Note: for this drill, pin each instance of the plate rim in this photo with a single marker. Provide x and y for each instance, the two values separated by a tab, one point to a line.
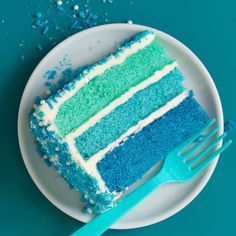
192	195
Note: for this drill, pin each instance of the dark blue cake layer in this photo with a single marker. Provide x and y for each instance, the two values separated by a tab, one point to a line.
129	162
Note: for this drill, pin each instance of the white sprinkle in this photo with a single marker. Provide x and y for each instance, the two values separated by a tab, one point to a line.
42	102
59	3
40	123
68	163
76	7
57	149
89	211
48	92
85	72
49	128
130	22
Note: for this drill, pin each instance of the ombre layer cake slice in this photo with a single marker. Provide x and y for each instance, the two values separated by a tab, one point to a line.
116	120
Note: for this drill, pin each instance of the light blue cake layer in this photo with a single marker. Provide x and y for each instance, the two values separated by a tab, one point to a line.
127	163
116	123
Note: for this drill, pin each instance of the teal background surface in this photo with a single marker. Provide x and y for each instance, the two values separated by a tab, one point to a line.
206	27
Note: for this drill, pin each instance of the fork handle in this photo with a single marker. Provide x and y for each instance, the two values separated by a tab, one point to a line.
102	222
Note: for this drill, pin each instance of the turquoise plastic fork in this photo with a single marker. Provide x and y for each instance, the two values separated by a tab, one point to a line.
178	167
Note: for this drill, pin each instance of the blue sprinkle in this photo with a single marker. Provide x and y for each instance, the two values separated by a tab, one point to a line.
60	8
39	47
41	114
83	199
51	74
37	100
53	88
48	163
37	23
39	15
73	25
191	93
50	104
58	95
45	29
54	99
94	17
229	126
47	83
198	139
82	14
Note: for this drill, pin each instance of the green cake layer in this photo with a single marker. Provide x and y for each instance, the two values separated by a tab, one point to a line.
104	88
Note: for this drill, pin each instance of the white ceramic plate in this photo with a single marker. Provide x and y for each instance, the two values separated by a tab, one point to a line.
84	48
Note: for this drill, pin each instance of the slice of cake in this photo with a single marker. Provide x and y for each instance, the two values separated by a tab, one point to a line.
104	130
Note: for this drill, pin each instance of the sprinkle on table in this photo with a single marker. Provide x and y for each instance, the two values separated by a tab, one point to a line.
59	2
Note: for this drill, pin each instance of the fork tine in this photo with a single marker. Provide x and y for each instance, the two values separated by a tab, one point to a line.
190	140
206	150
200	143
209	159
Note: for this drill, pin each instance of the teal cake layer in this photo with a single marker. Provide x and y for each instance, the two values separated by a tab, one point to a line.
104	88
116	123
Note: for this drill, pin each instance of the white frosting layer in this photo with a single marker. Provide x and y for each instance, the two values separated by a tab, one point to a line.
99	69
121	100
